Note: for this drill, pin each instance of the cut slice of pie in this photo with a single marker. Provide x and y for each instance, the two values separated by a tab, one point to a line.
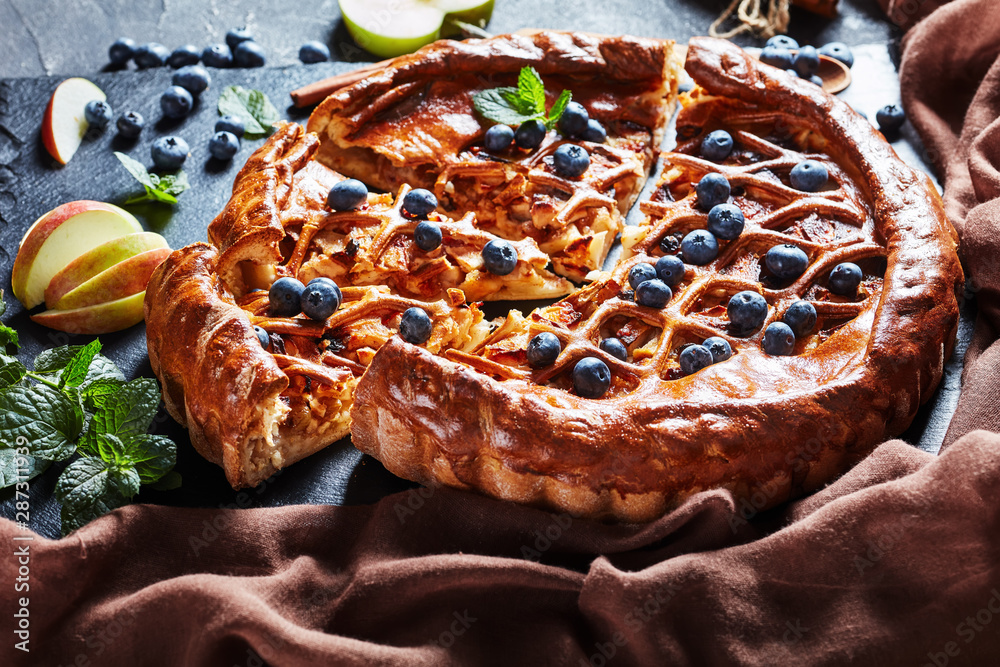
414	122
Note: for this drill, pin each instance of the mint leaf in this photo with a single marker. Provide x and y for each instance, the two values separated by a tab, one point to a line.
152	456
137	169
53	362
158	188
531	89
126	414
56	359
494	105
47	419
15	467
89	488
174	184
11	371
252	106
513	106
7	335
97	393
172	480
558	107
76	370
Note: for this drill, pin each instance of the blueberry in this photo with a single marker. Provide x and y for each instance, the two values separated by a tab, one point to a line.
130	124
653	294
183	56
121	51
573	122
670	269
838	51
232	124
249	54
217	55
595	132
97	113
699	247
786	261
670	244
237	36
415	326
713	189
418	203
530	134
792	73
169	152
695	357
192	78
808	176
543	349
320	299
640	273
782	42
845	278
262	336
314	52
717	146
615	348
427	235
801	318
726	221
591	377
816	81
223	145
347	195
719	347
806	61
777	57
176	102
499	257
498	138
779	340
150	55
571	160
890	118
285	297
747	311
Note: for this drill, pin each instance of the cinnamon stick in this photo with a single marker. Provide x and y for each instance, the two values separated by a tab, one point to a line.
319	91
827	8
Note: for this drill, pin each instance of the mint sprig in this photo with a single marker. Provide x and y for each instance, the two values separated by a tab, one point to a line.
162	188
512	106
253	108
7	335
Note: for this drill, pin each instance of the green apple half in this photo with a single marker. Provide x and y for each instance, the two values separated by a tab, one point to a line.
390	28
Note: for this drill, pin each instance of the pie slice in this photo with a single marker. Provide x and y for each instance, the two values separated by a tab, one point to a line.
414	122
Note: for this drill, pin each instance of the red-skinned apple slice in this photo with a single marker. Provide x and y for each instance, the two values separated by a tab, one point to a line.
123	279
98	319
64	124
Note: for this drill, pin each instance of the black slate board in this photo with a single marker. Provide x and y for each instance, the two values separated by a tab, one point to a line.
31	183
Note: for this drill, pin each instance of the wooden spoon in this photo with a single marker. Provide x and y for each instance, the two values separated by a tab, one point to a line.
835	74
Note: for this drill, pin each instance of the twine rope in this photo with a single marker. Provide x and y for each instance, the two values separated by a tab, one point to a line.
753	18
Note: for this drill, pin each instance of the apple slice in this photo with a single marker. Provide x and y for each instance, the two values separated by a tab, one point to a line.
390	28
101	259
64	124
101	318
123	279
59	237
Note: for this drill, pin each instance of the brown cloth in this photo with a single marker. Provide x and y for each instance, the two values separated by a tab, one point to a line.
898	562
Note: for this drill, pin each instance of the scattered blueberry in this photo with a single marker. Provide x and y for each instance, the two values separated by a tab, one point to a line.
801	318
427	235
845	278
415	326
223	145
285	297
717	146
120	52
499	257
699	247
97	113
176	102
786	261
779	340
747	311
262	336
418	203
249	54
695	357
782	42
595	132
890	118
573	122
806	61
169	152
347	195
571	160
130	124
838	51
808	176
530	134
237	36
670	269
777	57
543	349
713	189
193	78
183	56
653	294
314	52
615	348
726	221
150	55
591	377
816	80
719	347
233	124
320	299
640	273
498	138
217	55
